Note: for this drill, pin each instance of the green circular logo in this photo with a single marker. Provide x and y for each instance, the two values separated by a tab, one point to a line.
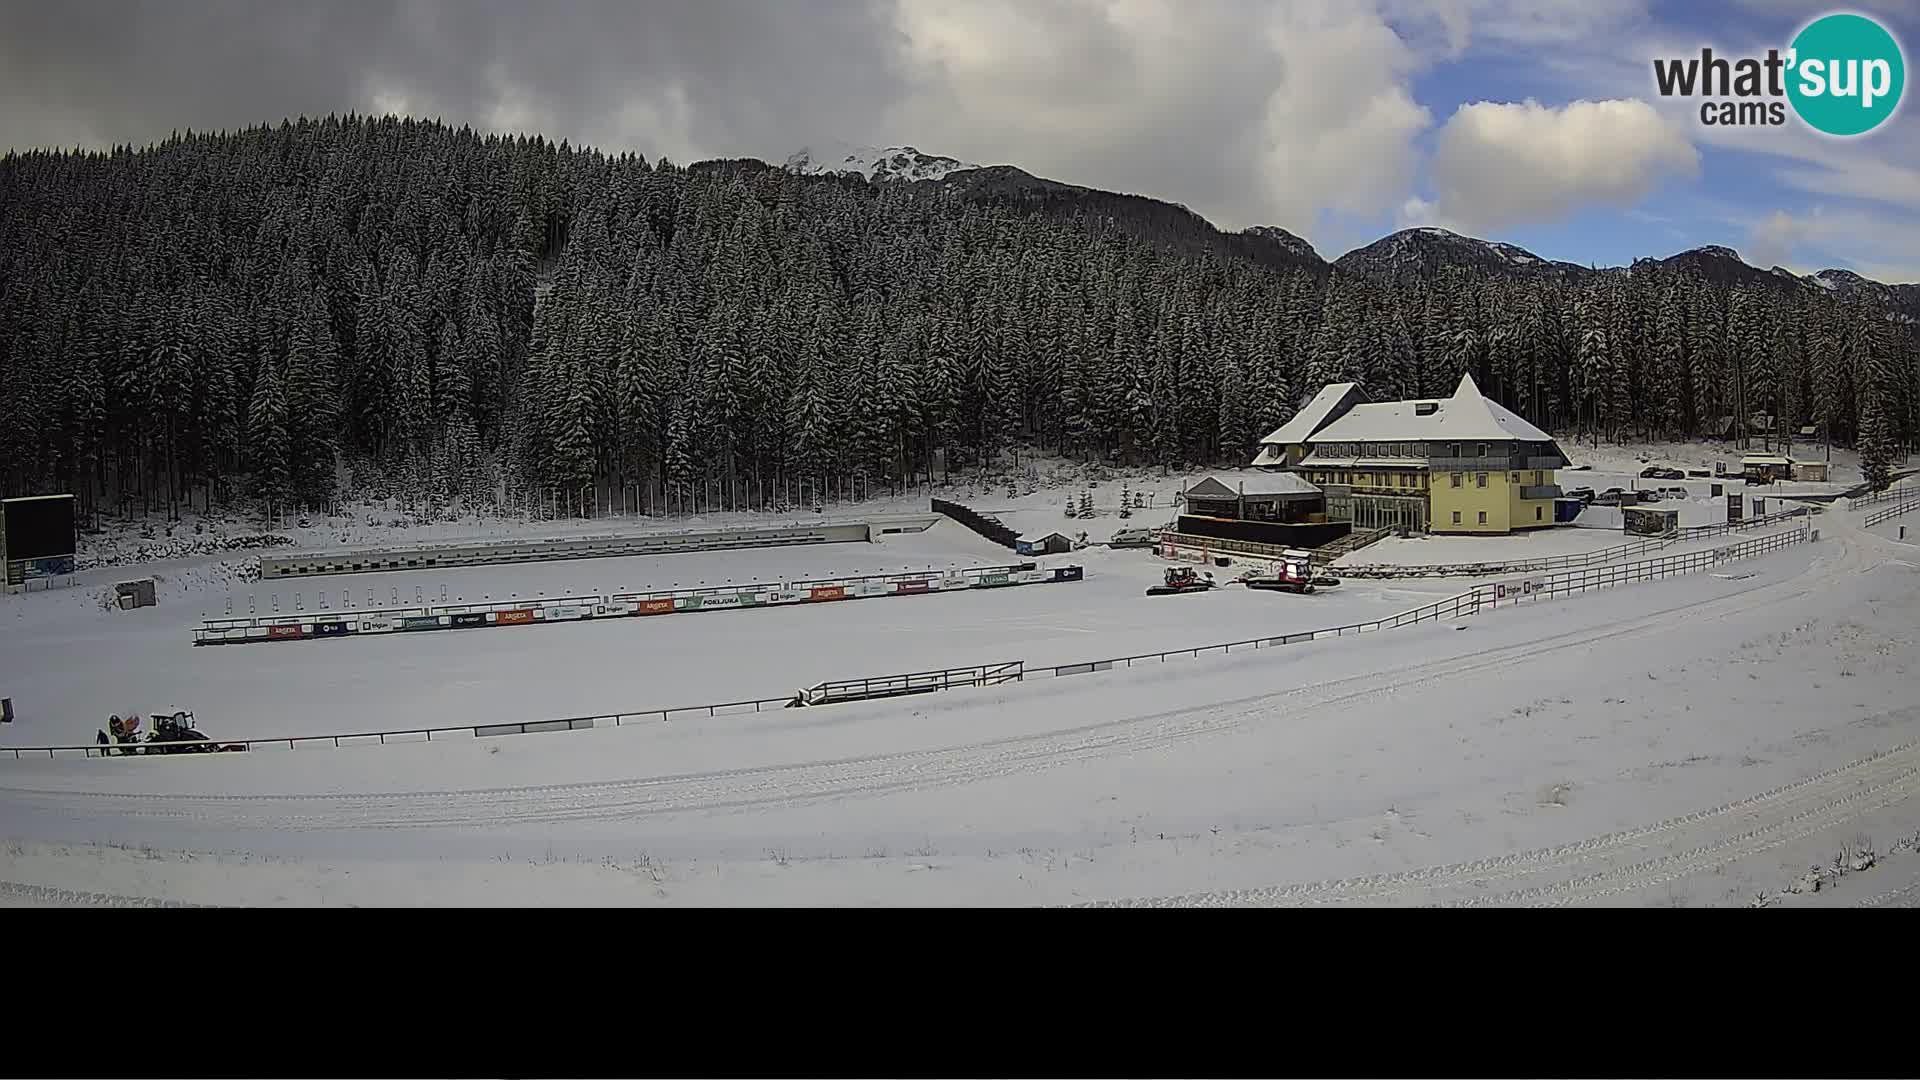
1846	74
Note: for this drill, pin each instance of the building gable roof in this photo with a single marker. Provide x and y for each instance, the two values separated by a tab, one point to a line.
1326	405
1264	485
1465	415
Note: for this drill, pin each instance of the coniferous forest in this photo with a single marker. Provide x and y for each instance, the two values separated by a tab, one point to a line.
388	305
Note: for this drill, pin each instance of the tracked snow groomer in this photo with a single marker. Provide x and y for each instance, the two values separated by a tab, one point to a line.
1289	576
1181	579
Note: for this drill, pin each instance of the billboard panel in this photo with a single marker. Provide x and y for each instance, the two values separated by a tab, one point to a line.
40	527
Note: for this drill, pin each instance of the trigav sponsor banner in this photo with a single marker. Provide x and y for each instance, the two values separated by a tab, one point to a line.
534	611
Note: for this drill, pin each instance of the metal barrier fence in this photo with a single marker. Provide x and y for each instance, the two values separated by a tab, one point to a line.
1887	494
425	734
1573	562
1890	512
1697	532
835	691
1486	596
1555	562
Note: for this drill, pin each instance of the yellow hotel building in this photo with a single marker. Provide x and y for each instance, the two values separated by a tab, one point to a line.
1460	464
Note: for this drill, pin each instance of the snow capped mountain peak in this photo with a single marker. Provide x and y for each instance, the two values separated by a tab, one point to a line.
873	162
1430	247
1717	250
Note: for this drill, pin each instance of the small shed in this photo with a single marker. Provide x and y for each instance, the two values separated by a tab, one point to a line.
128	595
1053	543
1775	466
1810	470
1649	520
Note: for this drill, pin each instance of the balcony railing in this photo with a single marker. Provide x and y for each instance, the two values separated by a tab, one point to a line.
1492	464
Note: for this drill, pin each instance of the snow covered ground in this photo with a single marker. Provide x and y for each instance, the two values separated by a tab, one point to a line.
1697	740
142	660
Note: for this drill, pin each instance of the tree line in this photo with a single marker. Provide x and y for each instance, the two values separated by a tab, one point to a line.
385	305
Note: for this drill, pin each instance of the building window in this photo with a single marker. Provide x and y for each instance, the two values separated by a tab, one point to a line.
1480	480
1456	517
1483	449
1483	517
1456	479
1537	511
1516	478
1536	478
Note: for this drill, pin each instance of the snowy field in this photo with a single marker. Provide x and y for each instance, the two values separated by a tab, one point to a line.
144	660
1696	741
1758	721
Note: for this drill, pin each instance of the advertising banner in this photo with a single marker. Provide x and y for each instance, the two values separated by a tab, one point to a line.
421	622
282	633
902	587
508	618
376	625
990	580
470	618
663	606
828	592
1068	573
562	612
330	629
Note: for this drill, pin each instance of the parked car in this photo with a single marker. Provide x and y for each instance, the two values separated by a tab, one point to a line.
1584	494
1675	493
1661	472
1613	496
1131	538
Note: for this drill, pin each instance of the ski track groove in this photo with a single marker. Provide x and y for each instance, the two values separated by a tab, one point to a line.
1892	763
1893	898
76	898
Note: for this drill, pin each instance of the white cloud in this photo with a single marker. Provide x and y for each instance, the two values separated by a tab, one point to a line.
1873	243
1772	240
1249	115
1501	164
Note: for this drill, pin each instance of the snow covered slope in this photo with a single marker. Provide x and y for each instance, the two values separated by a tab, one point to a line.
1424	250
874	162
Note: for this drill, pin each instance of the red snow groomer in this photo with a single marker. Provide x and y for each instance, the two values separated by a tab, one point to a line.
1181	579
1289	576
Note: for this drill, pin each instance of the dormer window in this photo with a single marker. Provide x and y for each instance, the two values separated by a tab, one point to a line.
1425	408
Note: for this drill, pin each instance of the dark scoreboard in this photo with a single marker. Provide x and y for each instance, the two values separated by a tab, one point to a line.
38	537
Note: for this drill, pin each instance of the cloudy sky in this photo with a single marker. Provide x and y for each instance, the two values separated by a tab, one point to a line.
1531	121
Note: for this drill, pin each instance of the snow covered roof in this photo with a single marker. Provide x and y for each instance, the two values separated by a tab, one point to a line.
1313	415
1265	486
1270	455
1465	415
1764	459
